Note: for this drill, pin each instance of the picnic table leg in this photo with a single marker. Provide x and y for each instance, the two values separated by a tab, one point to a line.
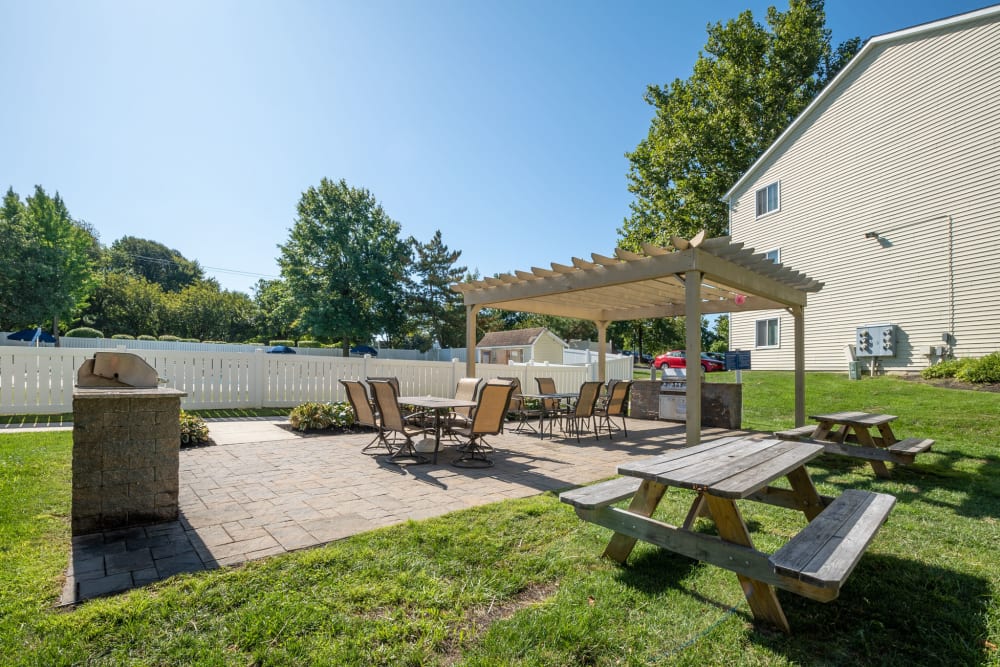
865	439
805	492
762	598
644	503
698	508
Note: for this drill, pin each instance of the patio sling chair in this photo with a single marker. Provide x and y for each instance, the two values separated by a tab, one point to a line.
487	419
466	390
615	407
387	402
583	412
551	407
364	414
519	408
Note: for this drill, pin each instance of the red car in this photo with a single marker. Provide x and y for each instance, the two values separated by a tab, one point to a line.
675	359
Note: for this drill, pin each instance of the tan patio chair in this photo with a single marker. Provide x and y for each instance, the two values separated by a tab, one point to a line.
488	418
583	411
519	408
391	416
616	406
364	414
552	408
467	390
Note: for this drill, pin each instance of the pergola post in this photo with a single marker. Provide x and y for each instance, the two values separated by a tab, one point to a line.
470	340
800	364
692	329
602	338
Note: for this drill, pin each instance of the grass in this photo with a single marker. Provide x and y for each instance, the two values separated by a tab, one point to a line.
521	582
51	420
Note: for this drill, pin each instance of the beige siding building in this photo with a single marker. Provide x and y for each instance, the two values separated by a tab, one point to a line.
887	189
537	344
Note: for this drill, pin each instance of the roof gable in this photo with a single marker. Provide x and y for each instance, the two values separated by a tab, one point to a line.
866	53
515	338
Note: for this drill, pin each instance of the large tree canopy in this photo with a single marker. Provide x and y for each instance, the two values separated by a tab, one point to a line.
47	260
437	311
153	261
345	264
748	85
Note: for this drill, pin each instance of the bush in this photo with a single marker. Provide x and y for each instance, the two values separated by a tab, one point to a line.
289	343
215	342
194	430
318	416
123	337
83	332
309	343
169	339
145	337
981	371
190	340
945	369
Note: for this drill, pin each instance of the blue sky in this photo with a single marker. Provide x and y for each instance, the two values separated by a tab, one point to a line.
503	124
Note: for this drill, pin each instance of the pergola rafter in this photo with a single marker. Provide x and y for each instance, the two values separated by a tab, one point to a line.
688	278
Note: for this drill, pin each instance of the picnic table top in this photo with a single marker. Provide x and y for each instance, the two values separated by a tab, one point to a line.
855	418
726	468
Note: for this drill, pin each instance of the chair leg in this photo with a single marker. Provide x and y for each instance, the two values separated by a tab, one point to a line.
474	455
406	451
380	441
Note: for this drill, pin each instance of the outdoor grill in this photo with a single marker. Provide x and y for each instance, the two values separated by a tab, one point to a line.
122	370
673	394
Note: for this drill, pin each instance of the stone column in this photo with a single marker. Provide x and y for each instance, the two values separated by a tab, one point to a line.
126	457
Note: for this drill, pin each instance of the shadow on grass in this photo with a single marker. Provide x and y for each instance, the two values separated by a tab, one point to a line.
979	490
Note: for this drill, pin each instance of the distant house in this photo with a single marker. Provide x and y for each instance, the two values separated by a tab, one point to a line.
521	345
887	190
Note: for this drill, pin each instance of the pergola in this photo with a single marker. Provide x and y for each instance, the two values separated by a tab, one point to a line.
690	278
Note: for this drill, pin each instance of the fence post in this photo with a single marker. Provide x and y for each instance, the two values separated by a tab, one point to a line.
364	366
454	371
258	378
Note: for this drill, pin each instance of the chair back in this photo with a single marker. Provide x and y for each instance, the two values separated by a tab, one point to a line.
466	391
515	398
387	401
548	386
357	395
390	379
589	391
494	401
618	398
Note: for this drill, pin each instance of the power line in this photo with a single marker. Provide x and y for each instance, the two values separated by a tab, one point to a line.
159	260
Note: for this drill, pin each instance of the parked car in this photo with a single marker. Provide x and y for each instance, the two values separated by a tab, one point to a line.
281	349
637	358
362	350
676	359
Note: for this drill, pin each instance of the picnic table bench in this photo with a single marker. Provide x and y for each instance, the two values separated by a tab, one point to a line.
815	563
851	434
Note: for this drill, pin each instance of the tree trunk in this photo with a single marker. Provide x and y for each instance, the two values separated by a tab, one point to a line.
346	346
55	329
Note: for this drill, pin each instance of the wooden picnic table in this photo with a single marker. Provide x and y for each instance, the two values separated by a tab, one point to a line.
862	435
815	563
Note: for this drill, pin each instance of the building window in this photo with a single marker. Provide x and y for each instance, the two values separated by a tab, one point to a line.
768	200
767	333
773	255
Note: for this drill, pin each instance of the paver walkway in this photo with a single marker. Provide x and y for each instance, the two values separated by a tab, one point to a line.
263	489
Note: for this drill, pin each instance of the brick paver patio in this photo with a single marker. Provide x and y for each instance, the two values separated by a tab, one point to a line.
263	490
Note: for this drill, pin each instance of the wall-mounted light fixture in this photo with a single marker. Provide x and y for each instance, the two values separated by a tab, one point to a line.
871	235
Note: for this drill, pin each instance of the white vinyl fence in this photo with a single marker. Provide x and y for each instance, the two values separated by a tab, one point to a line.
41	380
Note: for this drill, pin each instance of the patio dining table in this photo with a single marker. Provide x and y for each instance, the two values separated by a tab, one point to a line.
441	407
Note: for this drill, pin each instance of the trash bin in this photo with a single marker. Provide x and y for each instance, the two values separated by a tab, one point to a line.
854	370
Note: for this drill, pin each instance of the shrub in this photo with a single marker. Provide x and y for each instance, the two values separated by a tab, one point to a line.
190	340
169	339
945	369
317	416
981	371
84	332
309	343
215	342
289	343
194	430
145	337
123	337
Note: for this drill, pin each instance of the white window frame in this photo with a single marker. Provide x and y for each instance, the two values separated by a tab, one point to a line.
777	255
767	211
777	333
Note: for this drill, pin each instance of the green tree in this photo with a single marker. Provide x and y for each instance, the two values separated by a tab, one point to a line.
126	304
438	312
748	85
277	312
205	312
345	265
47	259
153	261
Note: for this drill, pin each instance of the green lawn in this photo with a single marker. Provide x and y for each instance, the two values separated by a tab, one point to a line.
521	582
